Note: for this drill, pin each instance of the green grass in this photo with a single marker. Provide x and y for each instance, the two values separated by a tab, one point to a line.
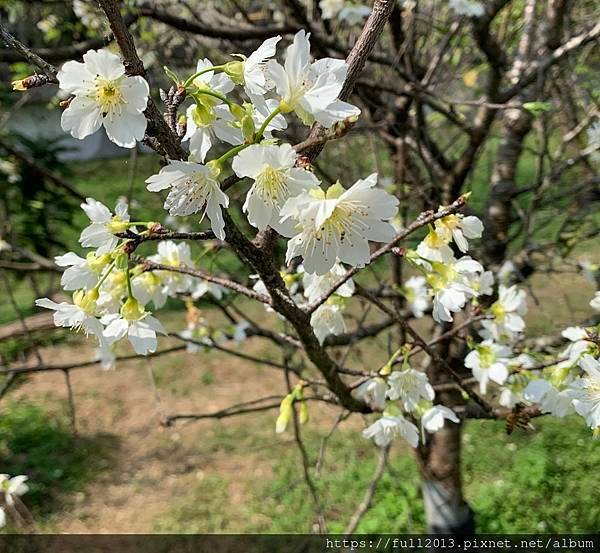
530	481
527	482
41	444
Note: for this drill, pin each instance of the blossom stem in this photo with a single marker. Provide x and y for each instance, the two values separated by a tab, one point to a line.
104	277
190	80
231	153
215	95
266	122
129	290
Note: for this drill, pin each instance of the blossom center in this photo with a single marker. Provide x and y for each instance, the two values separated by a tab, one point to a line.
592	390
117	225
271	186
109	96
345	219
448	224
498	311
407	384
444	276
486	357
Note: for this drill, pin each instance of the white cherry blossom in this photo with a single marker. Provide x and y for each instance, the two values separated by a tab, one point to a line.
202	287
205	128
470	8
272	168
101	233
585	392
507	273
508	397
416	294
311	89
488	361
327	319
149	287
11	489
239	333
373	392
410	386
434	248
508	311
194	187
353	14
339	224
104	96
105	354
482	283
171	254
580	345
450	285
331	8
388	427
255	81
595	302
78	273
317	285
459	227
551	400
78	315
264	108
434	418
138	325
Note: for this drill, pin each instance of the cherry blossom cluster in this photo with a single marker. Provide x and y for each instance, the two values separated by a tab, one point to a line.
569	385
328	230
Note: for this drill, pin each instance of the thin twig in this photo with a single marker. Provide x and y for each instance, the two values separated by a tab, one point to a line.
365	504
71	400
46	68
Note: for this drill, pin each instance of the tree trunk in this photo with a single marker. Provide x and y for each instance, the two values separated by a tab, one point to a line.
446	510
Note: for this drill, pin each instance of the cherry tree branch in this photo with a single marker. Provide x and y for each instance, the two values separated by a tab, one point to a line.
185	270
26	52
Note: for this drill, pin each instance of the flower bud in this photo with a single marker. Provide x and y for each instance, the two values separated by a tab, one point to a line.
303	415
285	413
248	128
386	369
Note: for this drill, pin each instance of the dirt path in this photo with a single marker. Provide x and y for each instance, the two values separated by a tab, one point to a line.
153	464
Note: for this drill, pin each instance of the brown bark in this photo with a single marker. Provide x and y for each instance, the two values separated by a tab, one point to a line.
446	510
